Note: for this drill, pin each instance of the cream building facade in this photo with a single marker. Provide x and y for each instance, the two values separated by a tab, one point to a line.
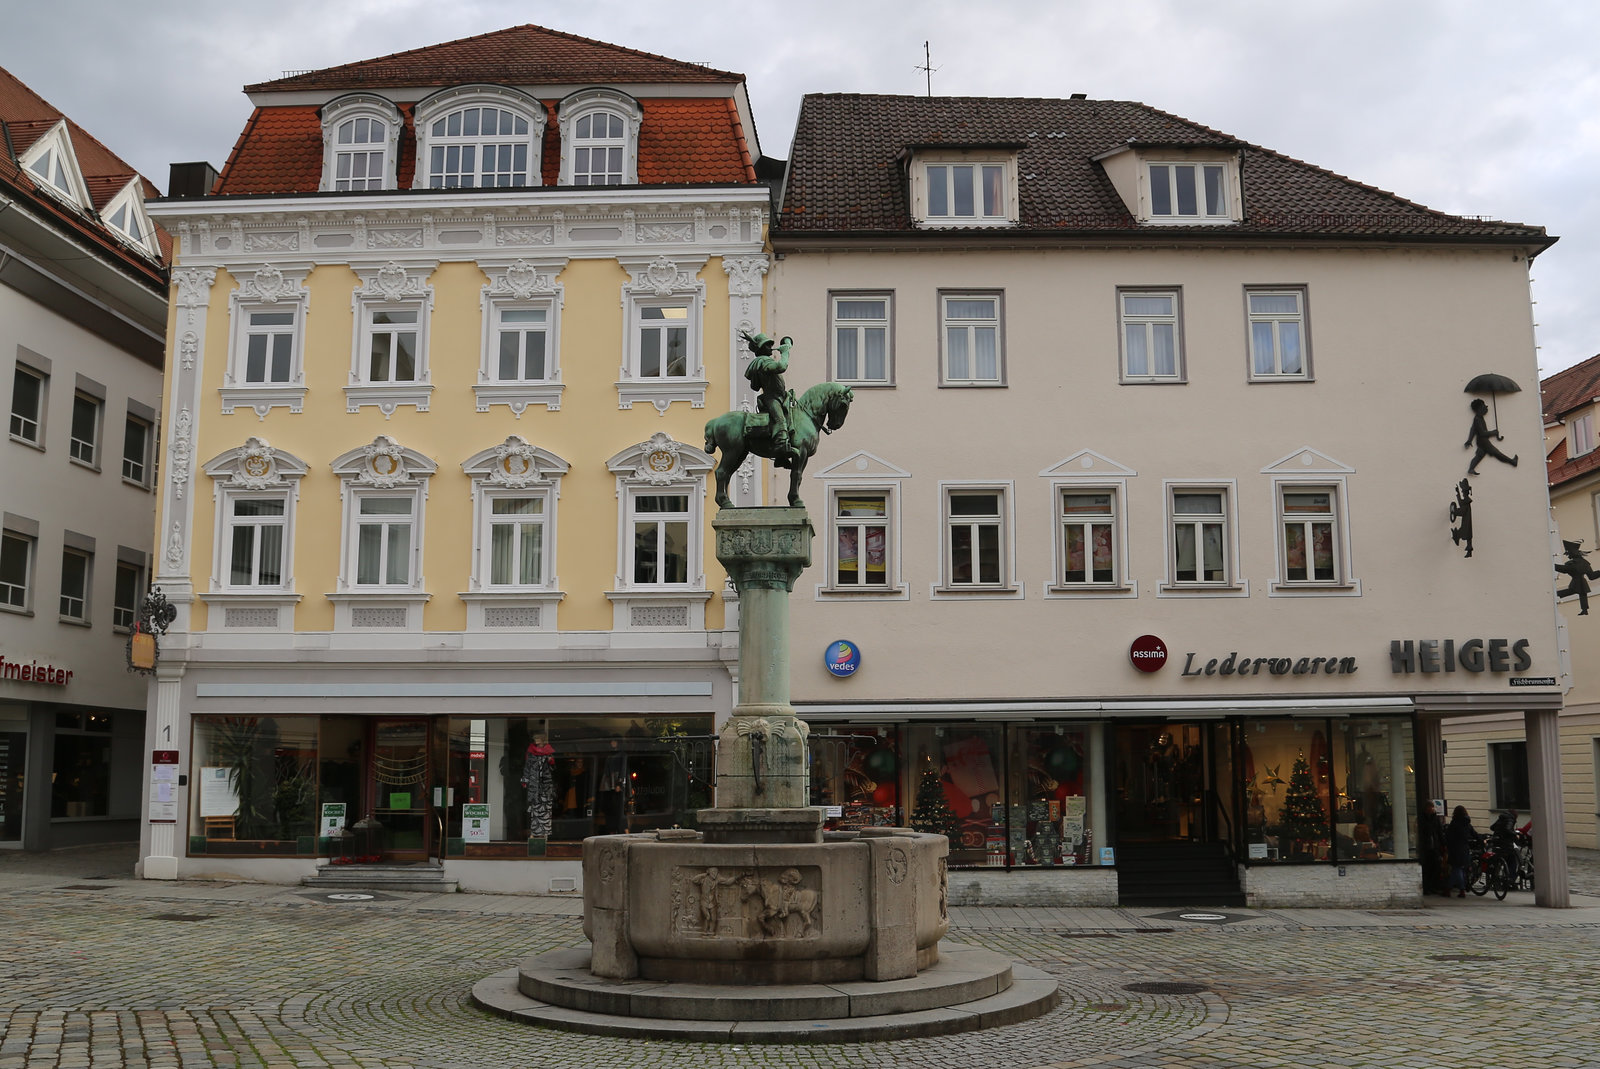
435	499
1138	539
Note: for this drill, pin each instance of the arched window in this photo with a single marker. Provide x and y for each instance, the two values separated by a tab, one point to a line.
600	138
478	137
360	134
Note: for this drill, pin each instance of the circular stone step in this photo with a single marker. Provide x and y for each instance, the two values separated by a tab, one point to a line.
970	988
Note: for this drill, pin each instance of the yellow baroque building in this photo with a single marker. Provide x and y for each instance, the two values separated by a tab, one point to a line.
444	335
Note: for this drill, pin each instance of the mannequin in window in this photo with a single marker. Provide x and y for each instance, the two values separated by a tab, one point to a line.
539	781
610	792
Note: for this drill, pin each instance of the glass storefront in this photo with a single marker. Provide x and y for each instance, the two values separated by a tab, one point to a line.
13	762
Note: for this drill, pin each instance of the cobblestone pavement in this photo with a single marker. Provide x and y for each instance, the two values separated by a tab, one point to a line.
100	970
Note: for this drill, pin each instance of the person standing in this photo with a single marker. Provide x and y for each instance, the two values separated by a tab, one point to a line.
1430	850
1458	840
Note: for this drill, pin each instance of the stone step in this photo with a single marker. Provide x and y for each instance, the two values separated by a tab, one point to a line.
869	1008
427	878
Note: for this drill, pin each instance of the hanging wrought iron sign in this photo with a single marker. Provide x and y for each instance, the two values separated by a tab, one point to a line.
1481	434
156	614
1578	571
1461	509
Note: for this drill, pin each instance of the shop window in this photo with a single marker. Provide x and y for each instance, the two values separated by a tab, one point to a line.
255	786
13	760
1508	765
1288	780
80	774
1046	814
1373	783
955	785
550	782
855	775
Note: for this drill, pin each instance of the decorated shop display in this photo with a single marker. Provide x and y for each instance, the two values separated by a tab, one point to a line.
1303	823
932	812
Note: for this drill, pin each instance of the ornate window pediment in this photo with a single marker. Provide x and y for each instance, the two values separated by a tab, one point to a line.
257	489
664	305
389	350
516	487
520	363
266	357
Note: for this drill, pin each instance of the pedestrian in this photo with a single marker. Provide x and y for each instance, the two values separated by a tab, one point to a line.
1458	840
1430	850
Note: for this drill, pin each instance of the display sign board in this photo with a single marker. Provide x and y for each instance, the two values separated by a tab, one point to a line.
475	822
1148	653
164	787
1108	855
842	658
332	818
217	795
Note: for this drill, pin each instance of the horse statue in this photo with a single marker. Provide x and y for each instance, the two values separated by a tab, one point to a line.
820	410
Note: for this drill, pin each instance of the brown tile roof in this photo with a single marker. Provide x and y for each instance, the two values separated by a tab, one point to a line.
682	140
519	55
24	118
847	171
1559	395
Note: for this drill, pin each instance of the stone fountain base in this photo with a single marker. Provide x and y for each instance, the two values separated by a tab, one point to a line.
969	988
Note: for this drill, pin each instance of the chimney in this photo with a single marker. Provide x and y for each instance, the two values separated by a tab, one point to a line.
191	179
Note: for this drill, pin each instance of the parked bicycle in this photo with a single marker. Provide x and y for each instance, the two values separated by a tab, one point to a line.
1494	868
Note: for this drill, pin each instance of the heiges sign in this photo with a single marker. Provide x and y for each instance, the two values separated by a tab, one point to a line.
34	672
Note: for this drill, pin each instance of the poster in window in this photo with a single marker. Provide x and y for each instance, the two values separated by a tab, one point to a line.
218	798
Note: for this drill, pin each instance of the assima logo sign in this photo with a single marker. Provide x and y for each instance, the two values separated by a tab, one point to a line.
842	658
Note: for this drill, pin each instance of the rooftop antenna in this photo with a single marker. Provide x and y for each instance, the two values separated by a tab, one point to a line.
927	67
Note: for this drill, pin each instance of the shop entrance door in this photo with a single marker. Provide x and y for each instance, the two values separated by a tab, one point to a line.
398	789
1168	788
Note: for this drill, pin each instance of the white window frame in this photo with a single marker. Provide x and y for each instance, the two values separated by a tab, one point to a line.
1088	472
1149	320
513	469
383	468
1344	582
1302	318
135	230
87	452
123	617
1006	586
38	418
859	327
947	324
394	287
662	282
140	473
658	466
587	103
348	109
1151	177
85	598
1231	585
62	177
925	192
29	541
1580	436
517	286
269	289
1116	520
440	105
891	587
252	471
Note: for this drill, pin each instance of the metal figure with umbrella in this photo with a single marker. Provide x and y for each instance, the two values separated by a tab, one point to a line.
1481	435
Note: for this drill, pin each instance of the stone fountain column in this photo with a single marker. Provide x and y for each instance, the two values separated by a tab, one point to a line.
763	774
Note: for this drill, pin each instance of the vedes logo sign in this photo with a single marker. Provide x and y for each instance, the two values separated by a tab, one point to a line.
842	658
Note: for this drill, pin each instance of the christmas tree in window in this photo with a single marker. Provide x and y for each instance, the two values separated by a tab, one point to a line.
1303	825
932	812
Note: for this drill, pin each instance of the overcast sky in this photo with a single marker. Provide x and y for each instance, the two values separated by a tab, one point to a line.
1468	106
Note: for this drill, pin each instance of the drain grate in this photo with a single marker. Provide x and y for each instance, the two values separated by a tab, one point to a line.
182	917
1088	935
1165	987
80	887
1464	957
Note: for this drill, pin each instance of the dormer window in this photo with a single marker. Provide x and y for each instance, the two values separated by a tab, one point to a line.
600	138
1193	191
360	135
52	163
478	137
126	217
965	189
1582	435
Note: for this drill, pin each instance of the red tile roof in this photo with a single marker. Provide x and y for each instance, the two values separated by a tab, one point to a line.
1559	395
24	118
682	140
846	172
519	55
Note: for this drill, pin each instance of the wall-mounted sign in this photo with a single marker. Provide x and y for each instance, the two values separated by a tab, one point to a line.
34	672
842	658
163	785
1532	681
1234	665
1148	653
1431	655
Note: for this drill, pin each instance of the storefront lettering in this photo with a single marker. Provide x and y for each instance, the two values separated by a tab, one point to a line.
1430	655
1234	665
34	672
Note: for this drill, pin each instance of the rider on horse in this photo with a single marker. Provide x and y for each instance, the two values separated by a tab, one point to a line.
765	373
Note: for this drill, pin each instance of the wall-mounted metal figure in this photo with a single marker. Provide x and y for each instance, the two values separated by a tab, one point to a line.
1484	438
1579	571
1461	509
